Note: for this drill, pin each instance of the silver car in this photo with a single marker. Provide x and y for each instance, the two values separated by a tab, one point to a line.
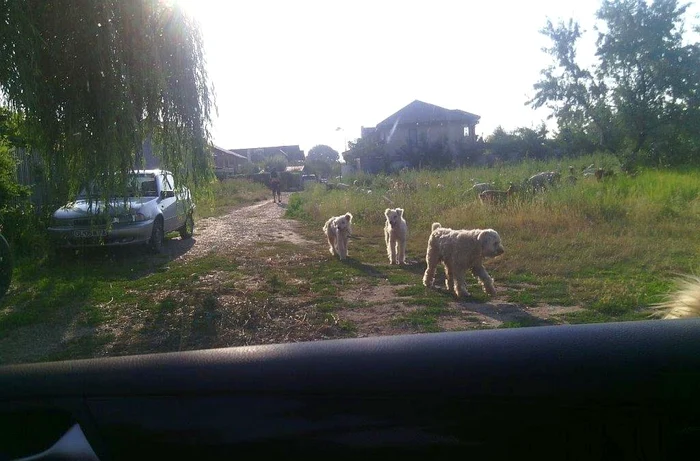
155	206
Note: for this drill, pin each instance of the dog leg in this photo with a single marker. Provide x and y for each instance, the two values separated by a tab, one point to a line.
460	282
331	244
485	280
388	248
449	278
342	247
392	249
402	251
432	259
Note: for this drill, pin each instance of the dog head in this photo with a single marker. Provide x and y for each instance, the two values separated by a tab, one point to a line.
393	216
343	222
490	243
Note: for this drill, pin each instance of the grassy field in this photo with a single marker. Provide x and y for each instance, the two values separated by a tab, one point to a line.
585	252
610	247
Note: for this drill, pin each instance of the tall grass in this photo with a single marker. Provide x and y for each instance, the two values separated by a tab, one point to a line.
224	195
614	242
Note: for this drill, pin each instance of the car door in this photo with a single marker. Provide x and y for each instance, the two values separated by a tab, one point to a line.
183	202
168	203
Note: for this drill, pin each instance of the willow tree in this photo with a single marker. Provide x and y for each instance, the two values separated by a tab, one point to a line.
93	79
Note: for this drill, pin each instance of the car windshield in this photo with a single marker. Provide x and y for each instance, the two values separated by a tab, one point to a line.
138	185
342	169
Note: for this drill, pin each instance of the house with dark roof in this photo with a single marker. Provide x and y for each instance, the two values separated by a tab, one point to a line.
421	123
226	161
293	154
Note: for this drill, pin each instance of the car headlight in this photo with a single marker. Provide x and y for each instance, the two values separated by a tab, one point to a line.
129	218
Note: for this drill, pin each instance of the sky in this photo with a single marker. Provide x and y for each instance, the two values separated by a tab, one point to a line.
314	72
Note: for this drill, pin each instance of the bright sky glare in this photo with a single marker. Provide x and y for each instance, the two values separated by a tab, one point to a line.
292	72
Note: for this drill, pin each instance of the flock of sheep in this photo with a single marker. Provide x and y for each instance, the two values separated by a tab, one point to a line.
487	192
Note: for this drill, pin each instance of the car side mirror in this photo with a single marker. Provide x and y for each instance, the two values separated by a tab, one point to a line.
167	194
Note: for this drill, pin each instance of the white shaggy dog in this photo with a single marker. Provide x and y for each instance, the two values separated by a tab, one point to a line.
684	302
395	235
338	230
459	251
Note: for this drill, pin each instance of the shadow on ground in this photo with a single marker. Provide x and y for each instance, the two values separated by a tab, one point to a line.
52	308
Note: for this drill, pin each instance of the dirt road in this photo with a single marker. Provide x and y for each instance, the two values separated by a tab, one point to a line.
248	277
244	227
262	223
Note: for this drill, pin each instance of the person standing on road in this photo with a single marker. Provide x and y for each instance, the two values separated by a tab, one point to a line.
275	186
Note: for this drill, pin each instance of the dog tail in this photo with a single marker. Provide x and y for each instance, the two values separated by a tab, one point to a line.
685	301
436	225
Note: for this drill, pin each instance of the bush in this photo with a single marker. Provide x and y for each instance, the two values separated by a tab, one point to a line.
24	229
19	222
10	189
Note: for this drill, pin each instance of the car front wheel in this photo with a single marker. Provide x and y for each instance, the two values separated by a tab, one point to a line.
187	229
157	235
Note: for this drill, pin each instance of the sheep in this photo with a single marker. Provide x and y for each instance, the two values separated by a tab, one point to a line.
493	196
542	179
482	186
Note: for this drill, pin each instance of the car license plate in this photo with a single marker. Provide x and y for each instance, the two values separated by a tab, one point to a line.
90	233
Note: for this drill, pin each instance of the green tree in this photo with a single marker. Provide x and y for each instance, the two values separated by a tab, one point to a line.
641	97
576	96
521	141
18	222
93	79
321	160
278	162
369	147
533	143
500	142
320	168
573	141
324	153
10	189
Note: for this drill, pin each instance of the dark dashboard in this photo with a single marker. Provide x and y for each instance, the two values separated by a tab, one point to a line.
601	391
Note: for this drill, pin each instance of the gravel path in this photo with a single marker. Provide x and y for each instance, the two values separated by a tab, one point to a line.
259	223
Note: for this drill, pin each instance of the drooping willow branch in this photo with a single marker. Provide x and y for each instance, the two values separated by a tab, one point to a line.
94	79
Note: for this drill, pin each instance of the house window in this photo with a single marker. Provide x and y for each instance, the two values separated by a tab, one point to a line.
466	132
412	136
